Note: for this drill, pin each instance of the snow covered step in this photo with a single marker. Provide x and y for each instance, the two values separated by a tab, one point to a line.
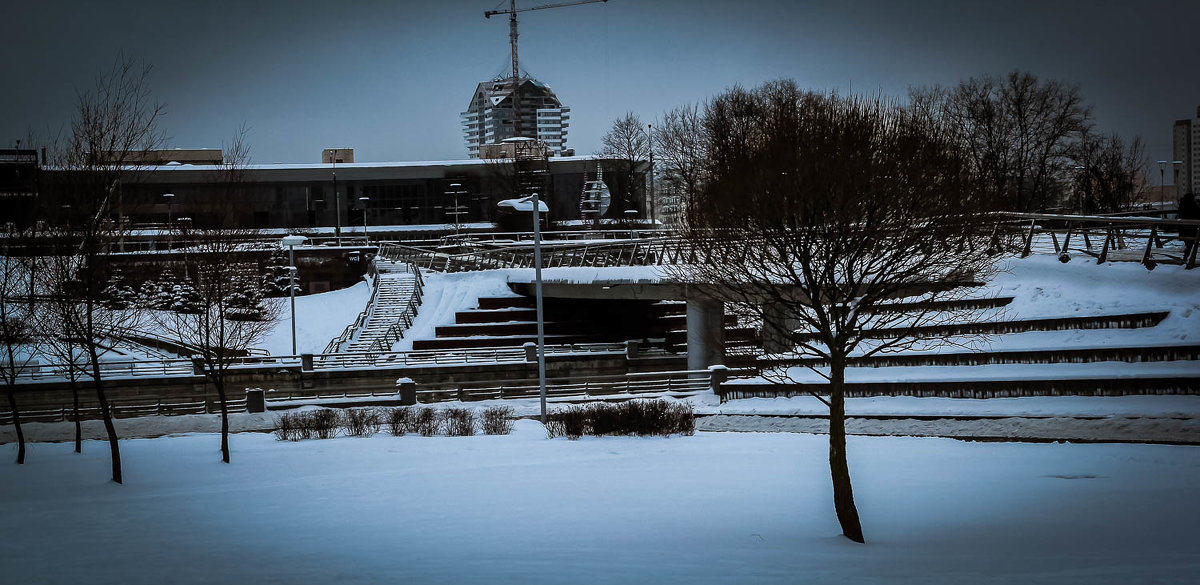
1118	321
1139	354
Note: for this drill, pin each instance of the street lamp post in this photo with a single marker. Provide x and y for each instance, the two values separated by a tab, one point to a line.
363	201
650	141
337	208
1162	184
541	321
291	242
170	197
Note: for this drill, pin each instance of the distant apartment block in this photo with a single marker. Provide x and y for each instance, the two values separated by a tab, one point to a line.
1187	149
491	116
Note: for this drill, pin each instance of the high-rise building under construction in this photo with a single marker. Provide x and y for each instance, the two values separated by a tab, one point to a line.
492	117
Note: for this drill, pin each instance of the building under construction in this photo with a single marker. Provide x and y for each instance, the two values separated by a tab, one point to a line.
492	118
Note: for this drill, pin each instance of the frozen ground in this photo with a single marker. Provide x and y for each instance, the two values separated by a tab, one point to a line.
714	508
319	318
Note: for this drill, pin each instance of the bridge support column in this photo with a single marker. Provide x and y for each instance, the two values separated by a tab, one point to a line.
775	328
705	333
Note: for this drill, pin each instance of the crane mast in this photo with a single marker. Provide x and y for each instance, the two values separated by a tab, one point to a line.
515	81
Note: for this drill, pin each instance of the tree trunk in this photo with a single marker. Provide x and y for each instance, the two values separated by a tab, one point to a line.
219	382
106	413
16	414
843	494
75	413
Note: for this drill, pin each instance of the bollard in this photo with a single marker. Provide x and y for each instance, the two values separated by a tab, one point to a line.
530	351
256	400
306	362
631	349
408	391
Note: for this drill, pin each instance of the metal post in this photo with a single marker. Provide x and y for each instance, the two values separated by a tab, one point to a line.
541	321
292	291
364	201
650	140
337	208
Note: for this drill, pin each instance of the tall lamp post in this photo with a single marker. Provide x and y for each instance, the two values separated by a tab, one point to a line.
170	197
1162	184
337	207
291	242
363	202
541	321
650	141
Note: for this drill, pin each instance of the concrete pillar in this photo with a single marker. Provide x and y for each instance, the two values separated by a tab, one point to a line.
705	333
408	391
256	400
717	376
776	324
198	366
306	362
631	348
530	351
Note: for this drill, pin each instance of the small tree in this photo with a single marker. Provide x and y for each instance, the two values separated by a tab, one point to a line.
17	331
225	313
116	124
817	212
626	144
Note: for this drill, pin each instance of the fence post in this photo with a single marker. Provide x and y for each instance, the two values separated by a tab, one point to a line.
256	400
306	362
197	366
631	349
530	351
717	375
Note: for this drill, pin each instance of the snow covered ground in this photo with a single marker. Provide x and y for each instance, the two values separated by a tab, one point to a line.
713	508
319	318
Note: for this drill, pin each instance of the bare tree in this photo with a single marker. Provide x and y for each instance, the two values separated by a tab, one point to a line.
1109	173
228	313
679	144
1018	130
627	144
115	126
17	330
818	213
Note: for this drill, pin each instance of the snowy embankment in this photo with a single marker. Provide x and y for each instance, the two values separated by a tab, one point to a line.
714	508
319	318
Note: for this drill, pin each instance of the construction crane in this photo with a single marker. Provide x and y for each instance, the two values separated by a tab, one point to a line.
512	37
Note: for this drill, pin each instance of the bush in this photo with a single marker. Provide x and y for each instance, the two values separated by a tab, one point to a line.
497	420
424	421
635	417
312	424
398	421
459	422
361	422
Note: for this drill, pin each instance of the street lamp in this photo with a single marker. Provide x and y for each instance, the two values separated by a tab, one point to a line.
363	202
541	321
650	140
170	197
1162	184
291	242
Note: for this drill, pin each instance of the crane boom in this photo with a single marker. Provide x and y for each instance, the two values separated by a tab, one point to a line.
512	37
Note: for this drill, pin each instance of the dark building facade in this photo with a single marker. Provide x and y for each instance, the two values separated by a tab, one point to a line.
296	196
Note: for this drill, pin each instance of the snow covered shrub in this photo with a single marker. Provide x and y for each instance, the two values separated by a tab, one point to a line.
460	422
497	420
424	421
636	417
324	423
361	422
155	295
286	428
398	421
117	294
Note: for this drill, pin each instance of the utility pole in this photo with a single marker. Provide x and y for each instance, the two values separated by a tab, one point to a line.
650	141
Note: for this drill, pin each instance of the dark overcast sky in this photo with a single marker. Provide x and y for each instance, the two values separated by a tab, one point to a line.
389	78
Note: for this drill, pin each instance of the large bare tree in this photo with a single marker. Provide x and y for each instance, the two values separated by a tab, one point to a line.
1019	132
1109	173
817	214
114	127
228	313
679	144
626	145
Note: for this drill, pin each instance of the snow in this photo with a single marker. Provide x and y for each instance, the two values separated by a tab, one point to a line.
713	508
524	204
447	293
319	318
